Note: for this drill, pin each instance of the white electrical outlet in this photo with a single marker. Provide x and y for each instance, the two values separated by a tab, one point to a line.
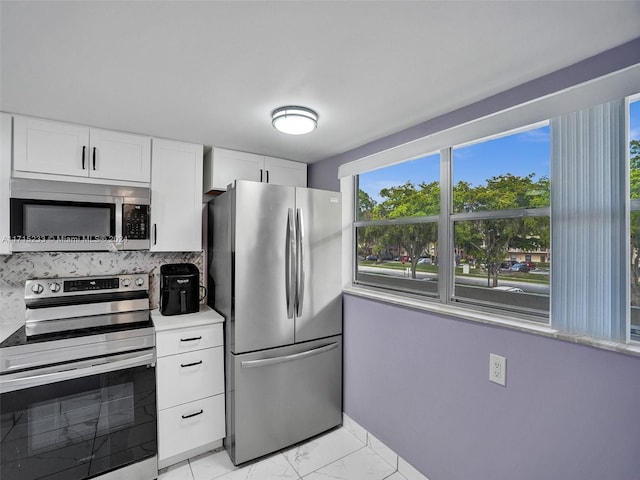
498	369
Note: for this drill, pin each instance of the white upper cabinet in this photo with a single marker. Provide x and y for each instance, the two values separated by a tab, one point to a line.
5	178
119	156
176	198
43	147
285	172
223	166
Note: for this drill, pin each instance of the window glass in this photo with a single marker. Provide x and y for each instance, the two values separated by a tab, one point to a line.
503	261
399	257
408	189
507	172
503	258
634	188
397	230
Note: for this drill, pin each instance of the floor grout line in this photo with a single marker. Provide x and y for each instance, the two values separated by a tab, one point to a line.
336	460
299	475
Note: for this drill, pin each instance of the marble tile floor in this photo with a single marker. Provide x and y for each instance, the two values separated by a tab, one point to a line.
337	455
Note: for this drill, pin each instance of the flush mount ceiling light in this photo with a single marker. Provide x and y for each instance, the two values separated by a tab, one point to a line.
294	120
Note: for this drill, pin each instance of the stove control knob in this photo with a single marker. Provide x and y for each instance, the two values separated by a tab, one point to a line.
54	287
139	281
37	288
126	282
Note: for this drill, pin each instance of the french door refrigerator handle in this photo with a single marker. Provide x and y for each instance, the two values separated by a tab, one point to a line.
300	262
289	264
288	358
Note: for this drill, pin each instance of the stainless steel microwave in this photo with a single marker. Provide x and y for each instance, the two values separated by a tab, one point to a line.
66	216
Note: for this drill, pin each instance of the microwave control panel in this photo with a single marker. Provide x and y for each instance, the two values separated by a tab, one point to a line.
135	221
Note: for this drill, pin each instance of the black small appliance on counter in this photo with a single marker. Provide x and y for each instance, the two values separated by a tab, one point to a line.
179	288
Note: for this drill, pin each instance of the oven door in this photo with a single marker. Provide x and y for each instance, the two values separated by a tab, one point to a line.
79	420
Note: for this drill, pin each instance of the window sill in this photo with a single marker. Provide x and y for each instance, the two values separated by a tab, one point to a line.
632	348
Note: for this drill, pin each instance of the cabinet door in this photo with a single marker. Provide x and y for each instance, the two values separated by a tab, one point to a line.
42	146
5	176
225	166
189	427
189	339
190	376
119	156
285	172
176	197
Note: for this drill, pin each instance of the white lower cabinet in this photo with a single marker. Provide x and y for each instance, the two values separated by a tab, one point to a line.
186	428
190	375
190	384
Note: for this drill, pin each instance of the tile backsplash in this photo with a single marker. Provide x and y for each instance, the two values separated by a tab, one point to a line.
16	268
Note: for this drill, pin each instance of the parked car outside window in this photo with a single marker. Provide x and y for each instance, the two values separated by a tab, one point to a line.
509	289
520	267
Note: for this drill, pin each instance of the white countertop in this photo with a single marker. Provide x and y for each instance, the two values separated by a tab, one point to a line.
206	316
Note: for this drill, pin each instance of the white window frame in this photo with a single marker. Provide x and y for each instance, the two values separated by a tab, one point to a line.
620	84
446	241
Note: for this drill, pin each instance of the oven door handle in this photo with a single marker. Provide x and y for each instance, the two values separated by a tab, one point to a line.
68	371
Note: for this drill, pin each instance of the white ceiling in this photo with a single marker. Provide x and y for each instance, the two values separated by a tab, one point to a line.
211	71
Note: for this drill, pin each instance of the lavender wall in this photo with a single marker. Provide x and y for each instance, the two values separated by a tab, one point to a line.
419	382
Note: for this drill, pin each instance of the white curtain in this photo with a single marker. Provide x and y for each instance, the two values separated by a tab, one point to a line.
588	221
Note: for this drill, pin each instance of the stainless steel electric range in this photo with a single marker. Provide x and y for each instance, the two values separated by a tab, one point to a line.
77	382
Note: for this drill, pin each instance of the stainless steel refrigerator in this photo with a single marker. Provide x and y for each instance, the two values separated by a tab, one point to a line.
274	275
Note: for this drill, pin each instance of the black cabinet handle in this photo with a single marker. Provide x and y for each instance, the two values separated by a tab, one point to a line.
193	414
94	158
84	150
155	233
260	174
192	339
267	176
190	364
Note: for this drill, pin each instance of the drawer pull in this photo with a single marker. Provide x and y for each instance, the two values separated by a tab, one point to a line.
192	339
190	364
193	414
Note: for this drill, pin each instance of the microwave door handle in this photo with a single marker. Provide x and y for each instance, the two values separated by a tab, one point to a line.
119	219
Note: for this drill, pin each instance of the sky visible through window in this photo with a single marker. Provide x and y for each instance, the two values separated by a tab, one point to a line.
520	154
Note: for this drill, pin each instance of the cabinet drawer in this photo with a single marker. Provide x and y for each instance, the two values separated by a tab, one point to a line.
190	376
189	426
188	339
